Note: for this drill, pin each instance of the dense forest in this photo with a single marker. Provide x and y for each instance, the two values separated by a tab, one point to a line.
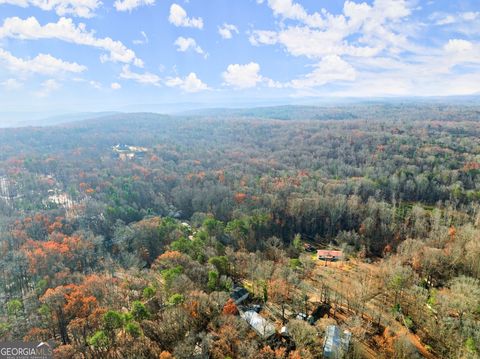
124	236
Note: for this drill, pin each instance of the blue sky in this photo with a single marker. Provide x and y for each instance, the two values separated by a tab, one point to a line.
105	55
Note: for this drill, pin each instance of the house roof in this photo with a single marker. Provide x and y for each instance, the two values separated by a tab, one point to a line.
261	325
239	294
332	340
335	341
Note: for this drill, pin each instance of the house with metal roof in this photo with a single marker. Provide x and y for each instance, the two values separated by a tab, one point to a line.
335	342
262	326
330	255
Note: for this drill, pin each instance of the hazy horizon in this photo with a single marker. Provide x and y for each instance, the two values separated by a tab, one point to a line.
49	117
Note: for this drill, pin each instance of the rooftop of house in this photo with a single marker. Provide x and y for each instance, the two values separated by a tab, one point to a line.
127	148
329	253
332	340
239	294
262	326
335	341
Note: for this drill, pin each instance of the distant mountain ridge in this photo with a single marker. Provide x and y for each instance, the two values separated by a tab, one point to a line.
349	109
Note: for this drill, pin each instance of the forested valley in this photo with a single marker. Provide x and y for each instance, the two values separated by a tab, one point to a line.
126	236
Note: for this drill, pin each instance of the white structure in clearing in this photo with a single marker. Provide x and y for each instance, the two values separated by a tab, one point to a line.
262	326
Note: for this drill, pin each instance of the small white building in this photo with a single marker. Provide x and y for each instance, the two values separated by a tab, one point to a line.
125	152
262	326
336	342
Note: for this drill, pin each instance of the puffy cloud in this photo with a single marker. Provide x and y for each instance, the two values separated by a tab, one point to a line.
226	30
361	30
458	52
390	9
44	64
458	45
146	78
129	5
304	41
191	83
247	76
294	11
79	8
242	76
178	17
185	44
381	25
115	86
65	30
330	68
370	50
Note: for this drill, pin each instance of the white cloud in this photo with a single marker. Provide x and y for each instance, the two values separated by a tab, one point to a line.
12	84
185	44
458	52
470	16
263	37
442	19
48	87
43	64
375	28
79	8
294	11
129	5
272	83
369	49
247	76
143	40
178	17
330	68
446	20
146	78
467	23
191	83
410	82
458	45
115	86
339	43
66	30
435	73
226	30
304	41
242	76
